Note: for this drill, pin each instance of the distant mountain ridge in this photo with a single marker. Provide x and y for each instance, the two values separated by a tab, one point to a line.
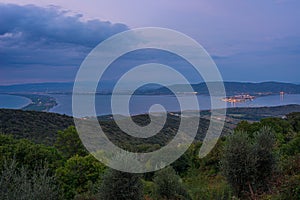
37	87
232	88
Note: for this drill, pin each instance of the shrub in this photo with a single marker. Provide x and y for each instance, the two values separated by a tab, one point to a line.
22	183
121	186
168	185
80	175
247	163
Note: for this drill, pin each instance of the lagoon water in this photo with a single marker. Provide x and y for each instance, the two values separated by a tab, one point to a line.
140	104
13	101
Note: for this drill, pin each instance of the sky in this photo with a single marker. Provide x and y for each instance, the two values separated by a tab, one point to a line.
46	41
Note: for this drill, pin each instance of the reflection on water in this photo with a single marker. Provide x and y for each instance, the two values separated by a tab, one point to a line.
141	103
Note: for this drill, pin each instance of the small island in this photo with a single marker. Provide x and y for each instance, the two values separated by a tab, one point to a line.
239	98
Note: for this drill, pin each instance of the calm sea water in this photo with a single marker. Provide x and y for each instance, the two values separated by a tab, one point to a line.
140	104
12	101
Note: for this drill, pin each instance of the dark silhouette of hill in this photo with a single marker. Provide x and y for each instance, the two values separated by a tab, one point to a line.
232	88
42	127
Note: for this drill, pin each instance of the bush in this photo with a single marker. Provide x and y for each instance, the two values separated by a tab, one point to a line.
203	186
121	186
247	163
80	175
24	184
168	185
69	143
291	188
27	153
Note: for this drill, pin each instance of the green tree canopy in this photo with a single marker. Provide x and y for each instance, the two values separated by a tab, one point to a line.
27	153
121	186
168	185
247	162
80	175
69	143
22	183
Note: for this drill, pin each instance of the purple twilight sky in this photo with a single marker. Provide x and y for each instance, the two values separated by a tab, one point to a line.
46	41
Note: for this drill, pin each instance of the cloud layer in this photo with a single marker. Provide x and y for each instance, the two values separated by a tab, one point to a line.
36	39
249	40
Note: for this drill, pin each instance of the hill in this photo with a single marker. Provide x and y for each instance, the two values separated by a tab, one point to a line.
42	127
232	88
37	87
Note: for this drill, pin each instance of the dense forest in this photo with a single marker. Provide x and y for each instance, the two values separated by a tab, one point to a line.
42	157
42	127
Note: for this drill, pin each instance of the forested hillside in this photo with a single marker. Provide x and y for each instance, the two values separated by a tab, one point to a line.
42	127
257	160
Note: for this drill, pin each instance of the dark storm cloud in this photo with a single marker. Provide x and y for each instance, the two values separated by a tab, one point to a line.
43	38
36	24
249	40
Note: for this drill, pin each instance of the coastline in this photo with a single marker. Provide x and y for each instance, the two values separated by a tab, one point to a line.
51	103
142	100
16	104
38	102
26	104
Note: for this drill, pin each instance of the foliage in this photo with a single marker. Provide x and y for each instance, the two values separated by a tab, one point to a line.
294	120
40	127
69	143
23	183
182	164
188	160
148	188
168	185
238	162
282	129
209	165
202	186
249	158
285	180
80	175
289	186
291	147
86	196
121	186
27	153
248	163
265	164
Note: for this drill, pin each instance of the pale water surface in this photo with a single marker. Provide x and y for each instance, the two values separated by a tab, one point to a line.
13	101
140	104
